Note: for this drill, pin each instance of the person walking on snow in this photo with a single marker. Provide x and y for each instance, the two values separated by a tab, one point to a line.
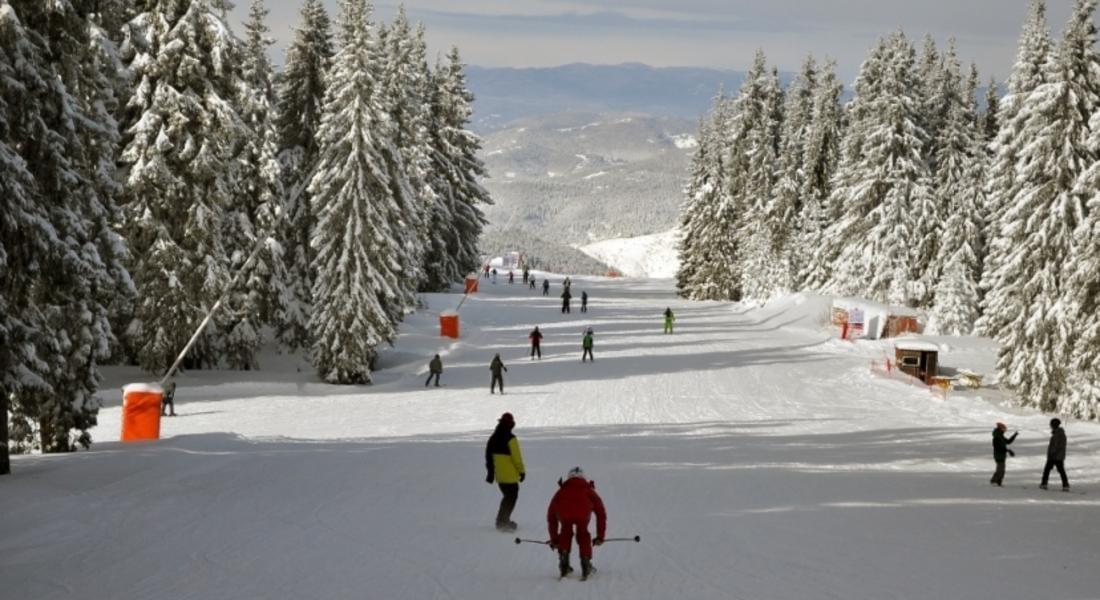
498	369
435	369
532	283
669	320
1056	455
494	275
511	277
546	287
536	341
569	513
486	271
584	301
565	298
1001	451
504	463
586	345
526	274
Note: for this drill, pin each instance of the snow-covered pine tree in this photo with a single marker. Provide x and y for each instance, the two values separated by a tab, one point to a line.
28	236
821	155
953	148
68	149
356	253
300	100
933	105
785	211
960	190
393	76
1027	74
406	93
182	137
456	169
1037	225
765	269
705	192
991	118
883	180
258	210
1082	294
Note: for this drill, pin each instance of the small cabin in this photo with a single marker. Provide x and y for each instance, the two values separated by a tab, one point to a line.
919	359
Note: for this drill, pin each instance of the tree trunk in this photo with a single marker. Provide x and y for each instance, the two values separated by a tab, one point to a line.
5	464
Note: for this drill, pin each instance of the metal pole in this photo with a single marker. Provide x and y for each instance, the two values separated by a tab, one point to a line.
225	294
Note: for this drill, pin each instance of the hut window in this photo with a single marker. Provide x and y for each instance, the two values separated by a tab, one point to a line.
910	361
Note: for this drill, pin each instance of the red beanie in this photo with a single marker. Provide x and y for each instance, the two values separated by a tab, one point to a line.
506	418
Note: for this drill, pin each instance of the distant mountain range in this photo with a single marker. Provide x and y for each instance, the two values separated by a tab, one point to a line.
503	95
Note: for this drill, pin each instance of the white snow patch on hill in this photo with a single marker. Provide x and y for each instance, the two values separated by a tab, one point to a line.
654	256
684	141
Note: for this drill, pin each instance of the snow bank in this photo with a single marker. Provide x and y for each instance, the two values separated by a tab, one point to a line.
654	256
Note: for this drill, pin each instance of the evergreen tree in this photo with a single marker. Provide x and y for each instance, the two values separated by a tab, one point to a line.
991	118
883	183
1037	225
455	169
300	102
406	93
766	266
258	211
822	153
65	139
183	136
785	211
357	256
960	192
705	193
1027	75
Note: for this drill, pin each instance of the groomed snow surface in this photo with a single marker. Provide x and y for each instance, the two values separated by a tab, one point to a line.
757	456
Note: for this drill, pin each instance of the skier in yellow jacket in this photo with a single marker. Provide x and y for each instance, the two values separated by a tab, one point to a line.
504	463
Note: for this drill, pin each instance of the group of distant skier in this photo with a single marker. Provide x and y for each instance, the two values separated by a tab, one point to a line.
1056	453
570	510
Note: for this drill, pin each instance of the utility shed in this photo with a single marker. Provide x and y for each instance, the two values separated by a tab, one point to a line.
919	359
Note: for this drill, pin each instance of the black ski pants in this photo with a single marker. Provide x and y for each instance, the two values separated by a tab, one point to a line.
1055	464
565	306
430	375
497	380
510	492
536	349
587	354
999	474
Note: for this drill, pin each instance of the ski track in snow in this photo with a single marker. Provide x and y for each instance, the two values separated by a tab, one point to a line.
757	457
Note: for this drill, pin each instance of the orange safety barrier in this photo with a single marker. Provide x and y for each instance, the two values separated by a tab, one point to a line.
141	411
448	324
471	284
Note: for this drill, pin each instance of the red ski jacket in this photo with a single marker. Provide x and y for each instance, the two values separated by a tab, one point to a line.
575	502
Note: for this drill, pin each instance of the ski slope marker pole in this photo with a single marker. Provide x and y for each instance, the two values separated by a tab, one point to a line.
523	541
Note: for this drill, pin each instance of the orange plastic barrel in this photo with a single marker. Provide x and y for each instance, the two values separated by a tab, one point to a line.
141	411
471	284
448	324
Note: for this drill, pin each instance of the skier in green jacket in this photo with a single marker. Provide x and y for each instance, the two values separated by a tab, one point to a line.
586	345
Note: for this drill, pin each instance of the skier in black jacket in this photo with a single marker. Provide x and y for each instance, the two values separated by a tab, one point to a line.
1001	451
1056	455
497	367
565	298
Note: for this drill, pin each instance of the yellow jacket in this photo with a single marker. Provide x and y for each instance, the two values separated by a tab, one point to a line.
505	461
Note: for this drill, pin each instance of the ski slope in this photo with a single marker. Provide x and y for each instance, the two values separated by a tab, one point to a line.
648	256
758	458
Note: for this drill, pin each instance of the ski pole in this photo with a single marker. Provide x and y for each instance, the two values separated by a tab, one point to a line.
636	538
523	541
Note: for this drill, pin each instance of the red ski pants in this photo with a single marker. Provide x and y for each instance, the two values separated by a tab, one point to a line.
584	539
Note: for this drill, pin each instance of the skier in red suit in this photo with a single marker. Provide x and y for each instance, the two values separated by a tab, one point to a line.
571	509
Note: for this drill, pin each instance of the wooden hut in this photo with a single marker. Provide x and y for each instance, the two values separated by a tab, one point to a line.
919	359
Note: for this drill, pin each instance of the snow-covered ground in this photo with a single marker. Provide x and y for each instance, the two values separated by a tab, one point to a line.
757	457
654	256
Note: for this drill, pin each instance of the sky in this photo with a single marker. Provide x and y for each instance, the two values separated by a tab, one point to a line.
707	33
